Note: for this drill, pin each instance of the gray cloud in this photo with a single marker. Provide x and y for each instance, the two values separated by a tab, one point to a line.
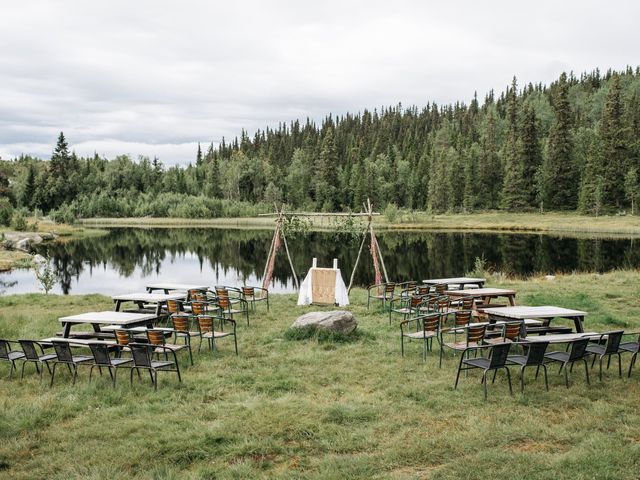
155	78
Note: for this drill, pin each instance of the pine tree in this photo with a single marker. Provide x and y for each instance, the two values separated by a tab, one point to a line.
562	190
27	199
590	197
490	169
531	154
615	151
514	196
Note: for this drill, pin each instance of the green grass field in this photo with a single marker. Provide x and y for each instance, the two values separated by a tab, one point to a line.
322	409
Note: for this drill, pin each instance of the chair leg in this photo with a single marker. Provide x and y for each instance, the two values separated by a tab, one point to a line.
522	379
619	365
178	372
546	382
600	371
235	341
91	372
53	374
190	355
586	370
484	381
631	363
457	375
154	379
75	374
115	375
402	344
566	377
22	370
509	379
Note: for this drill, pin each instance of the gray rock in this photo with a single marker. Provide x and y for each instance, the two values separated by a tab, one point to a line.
336	321
23	244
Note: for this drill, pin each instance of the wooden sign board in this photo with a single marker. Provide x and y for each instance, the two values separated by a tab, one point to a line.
323	286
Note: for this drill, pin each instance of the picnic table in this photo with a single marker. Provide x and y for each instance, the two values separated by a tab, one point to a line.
563	338
545	313
486	294
159	299
79	342
173	287
96	319
462	282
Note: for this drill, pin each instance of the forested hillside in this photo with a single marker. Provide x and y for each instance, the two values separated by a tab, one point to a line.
574	144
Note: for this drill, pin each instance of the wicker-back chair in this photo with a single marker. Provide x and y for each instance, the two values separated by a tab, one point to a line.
427	328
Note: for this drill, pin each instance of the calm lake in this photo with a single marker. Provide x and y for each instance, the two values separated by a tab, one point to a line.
129	258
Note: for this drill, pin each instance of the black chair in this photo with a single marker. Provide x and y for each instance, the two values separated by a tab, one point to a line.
9	355
534	357
578	352
65	356
34	353
631	347
610	347
102	358
142	359
497	360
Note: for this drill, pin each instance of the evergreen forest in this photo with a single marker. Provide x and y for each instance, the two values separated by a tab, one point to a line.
571	145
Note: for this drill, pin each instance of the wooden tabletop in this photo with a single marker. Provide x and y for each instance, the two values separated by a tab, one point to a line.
523	312
77	341
176	286
148	297
434	281
481	292
108	317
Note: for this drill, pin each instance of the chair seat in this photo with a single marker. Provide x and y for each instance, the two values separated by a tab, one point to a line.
557	356
81	358
46	358
161	364
119	361
170	346
494	341
597	349
629	346
519	359
188	334
461	345
404	310
15	356
420	334
216	334
477	362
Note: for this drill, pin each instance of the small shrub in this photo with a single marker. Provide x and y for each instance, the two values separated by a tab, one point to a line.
45	275
6	212
479	268
18	222
391	212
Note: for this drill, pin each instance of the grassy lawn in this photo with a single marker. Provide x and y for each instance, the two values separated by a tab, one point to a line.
568	223
322	409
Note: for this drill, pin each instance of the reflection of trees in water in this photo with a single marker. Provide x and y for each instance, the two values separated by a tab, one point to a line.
4	285
407	255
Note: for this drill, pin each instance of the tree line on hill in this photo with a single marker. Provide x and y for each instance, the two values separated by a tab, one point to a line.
572	145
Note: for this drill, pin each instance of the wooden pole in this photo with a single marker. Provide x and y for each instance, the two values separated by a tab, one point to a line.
353	273
266	265
384	269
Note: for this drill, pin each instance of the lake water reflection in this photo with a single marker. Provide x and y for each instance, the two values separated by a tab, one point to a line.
129	258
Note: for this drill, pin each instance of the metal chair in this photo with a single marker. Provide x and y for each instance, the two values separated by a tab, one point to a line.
228	307
34	353
473	336
534	357
631	347
611	347
404	306
497	360
207	328
249	295
9	355
578	352
157	337
142	359
383	292
427	328
65	356
102	358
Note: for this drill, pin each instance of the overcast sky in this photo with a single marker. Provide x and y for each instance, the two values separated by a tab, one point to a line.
156	77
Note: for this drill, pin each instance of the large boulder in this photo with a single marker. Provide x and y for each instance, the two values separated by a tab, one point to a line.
335	321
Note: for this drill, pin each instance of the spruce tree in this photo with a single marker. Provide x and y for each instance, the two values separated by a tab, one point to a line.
562	188
514	195
531	154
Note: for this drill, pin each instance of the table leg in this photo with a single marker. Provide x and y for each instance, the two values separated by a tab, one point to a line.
579	327
118	302
512	300
67	330
96	327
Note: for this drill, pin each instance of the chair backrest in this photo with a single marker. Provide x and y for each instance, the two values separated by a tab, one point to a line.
205	322
499	353
193	293
224	302
29	349
63	352
443	303
180	322
141	354
430	322
155	337
535	353
467	303
512	331
389	288
173	306
475	334
440	288
198	308
613	341
122	337
248	292
410	285
578	349
100	353
415	300
222	291
462	318
5	348
423	290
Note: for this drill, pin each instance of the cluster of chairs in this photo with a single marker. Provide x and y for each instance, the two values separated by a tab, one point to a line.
206	316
